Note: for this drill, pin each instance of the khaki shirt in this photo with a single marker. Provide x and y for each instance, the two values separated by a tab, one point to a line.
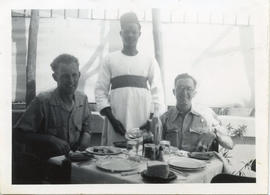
183	132
47	114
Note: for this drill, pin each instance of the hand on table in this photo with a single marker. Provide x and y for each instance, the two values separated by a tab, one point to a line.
58	146
205	141
84	141
227	168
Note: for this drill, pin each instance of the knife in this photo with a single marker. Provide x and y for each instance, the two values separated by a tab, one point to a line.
178	171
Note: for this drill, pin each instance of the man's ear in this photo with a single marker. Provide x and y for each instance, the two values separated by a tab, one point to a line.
54	76
173	92
79	74
194	93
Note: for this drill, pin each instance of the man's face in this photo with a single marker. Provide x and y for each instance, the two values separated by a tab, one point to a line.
130	34
67	77
184	92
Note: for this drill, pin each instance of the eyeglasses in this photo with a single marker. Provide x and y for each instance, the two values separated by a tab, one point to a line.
132	32
188	89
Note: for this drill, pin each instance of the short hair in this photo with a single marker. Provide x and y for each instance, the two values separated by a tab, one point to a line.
63	59
185	76
129	17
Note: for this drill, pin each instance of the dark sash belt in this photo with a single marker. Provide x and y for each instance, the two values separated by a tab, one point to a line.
129	81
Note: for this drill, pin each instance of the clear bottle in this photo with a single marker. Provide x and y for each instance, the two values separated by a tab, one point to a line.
155	128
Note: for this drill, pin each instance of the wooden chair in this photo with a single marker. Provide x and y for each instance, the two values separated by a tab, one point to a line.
97	124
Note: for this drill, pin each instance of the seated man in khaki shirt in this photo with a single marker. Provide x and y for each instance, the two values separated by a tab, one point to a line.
188	128
57	121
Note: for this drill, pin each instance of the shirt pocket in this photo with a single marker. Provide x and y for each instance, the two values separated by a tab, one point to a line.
198	130
172	136
198	126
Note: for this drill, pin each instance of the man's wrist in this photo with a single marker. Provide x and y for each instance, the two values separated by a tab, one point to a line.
85	140
216	133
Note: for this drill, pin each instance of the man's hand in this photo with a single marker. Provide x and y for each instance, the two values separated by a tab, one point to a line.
146	125
58	146
49	145
227	168
84	141
118	127
205	141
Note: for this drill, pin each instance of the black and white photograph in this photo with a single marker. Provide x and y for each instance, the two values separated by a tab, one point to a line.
166	96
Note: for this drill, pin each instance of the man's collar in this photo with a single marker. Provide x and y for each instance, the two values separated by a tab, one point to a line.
193	111
56	100
177	113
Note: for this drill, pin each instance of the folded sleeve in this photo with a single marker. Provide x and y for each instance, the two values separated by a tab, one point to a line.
156	87
103	86
213	121
217	124
32	119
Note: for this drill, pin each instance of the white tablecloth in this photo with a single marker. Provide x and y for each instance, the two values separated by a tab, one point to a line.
88	173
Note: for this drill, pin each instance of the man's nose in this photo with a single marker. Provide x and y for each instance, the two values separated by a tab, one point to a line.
130	34
183	94
70	79
183	91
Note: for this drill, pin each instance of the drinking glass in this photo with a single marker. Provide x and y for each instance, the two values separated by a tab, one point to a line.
131	146
166	145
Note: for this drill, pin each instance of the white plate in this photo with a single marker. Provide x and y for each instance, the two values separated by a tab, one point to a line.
186	169
187	163
117	165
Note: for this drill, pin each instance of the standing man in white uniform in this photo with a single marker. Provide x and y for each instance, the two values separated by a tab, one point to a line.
129	88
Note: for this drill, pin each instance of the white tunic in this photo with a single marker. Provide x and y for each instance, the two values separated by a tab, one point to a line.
130	105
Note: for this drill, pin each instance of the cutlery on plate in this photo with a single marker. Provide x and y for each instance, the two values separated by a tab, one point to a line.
179	172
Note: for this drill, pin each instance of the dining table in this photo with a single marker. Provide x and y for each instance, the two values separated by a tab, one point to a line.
87	172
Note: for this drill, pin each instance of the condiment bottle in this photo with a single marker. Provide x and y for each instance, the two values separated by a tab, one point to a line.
160	154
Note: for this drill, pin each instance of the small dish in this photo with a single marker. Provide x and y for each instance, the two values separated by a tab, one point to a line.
172	176
78	157
201	155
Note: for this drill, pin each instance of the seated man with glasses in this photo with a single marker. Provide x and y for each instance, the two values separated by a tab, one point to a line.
188	128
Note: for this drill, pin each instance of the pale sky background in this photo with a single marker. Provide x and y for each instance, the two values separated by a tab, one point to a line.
219	55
